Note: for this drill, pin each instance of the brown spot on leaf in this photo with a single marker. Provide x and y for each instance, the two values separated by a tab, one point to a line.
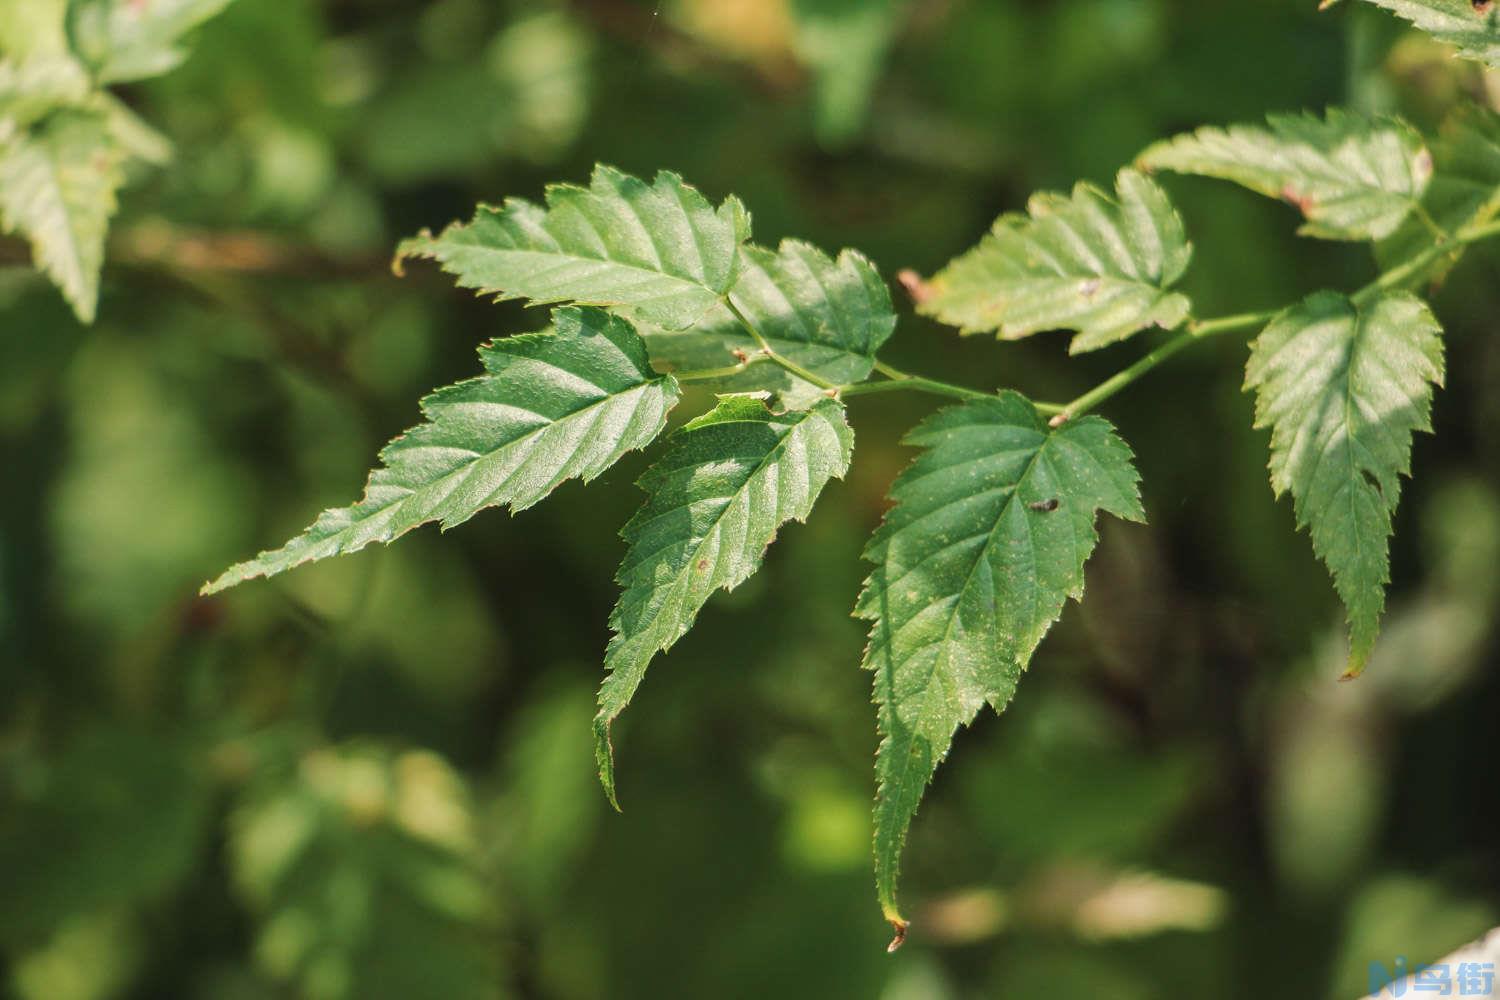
1424	164
916	287
1302	202
702	565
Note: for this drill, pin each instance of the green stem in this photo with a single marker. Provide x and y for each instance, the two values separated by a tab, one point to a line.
770	353
1404	272
708	374
896	379
1200	330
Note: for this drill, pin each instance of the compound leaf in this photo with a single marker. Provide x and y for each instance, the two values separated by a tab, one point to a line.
127	40
828	316
717	497
1471	26
1465	189
659	253
987	540
1089	263
1342	386
1352	177
552	406
58	183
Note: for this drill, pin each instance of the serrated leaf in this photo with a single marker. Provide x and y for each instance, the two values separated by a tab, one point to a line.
127	40
1343	386
57	187
1088	263
830	317
1465	189
553	406
659	252
1471	26
1352	177
726	484
987	540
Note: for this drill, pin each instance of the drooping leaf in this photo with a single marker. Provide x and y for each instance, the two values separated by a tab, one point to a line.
127	40
828	316
1088	262
57	187
657	252
1471	26
1343	386
363	871
725	485
1352	177
987	540
1465	189
844	43
553	406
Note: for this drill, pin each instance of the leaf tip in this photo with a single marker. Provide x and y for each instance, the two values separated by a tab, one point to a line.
899	928
604	756
917	288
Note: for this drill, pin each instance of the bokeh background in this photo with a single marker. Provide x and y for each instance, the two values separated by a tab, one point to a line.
372	778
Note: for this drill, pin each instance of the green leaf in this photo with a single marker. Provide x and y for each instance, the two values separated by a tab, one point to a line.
1465	189
725	485
127	40
830	317
32	88
57	187
553	406
844	43
131	133
987	540
33	28
1471	26
366	878
1087	263
1343	386
659	253
1352	177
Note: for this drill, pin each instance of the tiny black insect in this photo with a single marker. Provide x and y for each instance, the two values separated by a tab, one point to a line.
1044	505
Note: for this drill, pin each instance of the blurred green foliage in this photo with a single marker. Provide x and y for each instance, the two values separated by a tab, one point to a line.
373	777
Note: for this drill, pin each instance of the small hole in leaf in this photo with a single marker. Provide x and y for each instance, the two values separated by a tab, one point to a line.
1370	478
